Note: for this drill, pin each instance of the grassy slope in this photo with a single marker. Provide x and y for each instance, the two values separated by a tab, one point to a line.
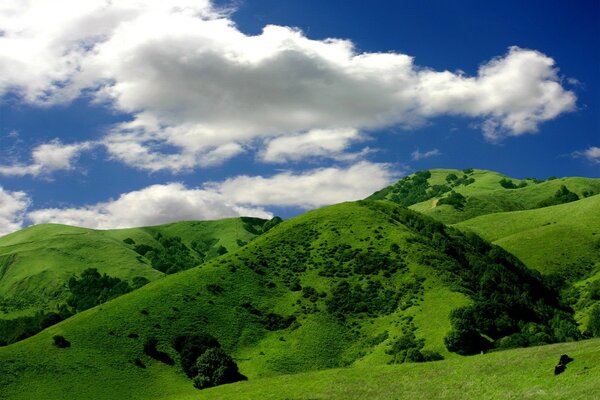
553	239
98	363
36	262
486	196
515	374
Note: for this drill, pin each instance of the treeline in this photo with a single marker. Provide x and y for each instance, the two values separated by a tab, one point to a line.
87	291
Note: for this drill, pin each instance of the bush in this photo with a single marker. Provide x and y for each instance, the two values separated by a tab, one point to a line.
215	367
61	342
593	326
455	199
92	289
562	196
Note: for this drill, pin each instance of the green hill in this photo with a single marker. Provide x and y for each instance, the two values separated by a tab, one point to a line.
37	262
357	284
482	192
562	240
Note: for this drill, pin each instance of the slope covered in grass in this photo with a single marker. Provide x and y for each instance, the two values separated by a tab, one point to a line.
340	286
562	240
484	192
37	262
512	374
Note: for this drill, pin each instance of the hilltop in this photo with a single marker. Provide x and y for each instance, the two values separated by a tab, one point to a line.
37	262
356	284
478	192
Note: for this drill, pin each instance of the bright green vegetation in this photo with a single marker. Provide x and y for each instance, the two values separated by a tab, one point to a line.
37	262
356	284
514	374
562	242
434	193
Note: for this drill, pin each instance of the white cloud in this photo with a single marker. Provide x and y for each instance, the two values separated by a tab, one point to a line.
199	89
239	196
330	143
314	188
47	158
592	154
12	209
153	205
417	155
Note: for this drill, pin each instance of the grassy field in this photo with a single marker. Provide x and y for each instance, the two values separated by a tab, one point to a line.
37	262
512	374
228	297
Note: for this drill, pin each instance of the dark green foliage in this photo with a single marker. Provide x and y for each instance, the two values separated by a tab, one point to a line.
203	360
507	184
92	289
466	342
190	347
215	367
563	195
372	299
214	288
411	189
407	348
60	341
594	290
455	200
221	250
142	249
129	241
593	326
273	222
468	171
139	281
14	330
271	321
174	256
151	350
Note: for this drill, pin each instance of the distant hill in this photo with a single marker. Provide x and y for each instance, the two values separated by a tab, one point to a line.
562	240
37	262
358	284
481	192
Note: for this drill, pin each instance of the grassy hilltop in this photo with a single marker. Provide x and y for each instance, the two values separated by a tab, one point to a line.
37	262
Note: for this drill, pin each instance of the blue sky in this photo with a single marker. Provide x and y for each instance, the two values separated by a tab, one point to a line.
138	113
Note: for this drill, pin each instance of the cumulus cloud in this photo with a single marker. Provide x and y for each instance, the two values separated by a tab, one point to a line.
314	188
157	204
199	89
47	158
417	155
330	143
592	154
239	196
12	210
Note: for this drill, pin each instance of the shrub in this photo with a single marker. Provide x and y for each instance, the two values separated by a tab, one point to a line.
593	326
215	367
61	342
92	289
192	346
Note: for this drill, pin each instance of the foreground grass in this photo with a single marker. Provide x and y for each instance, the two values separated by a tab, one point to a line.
514	374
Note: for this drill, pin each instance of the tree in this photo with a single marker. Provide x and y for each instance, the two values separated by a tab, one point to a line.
215	367
593	326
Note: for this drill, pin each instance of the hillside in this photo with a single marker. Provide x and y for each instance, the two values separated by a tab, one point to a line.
482	192
357	284
37	262
512	374
562	240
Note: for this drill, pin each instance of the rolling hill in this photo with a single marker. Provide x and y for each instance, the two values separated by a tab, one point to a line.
358	284
37	262
483	192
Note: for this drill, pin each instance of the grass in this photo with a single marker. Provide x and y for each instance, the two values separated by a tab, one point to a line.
37	262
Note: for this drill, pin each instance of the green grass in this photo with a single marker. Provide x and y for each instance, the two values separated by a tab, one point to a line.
98	365
514	374
562	239
486	196
37	262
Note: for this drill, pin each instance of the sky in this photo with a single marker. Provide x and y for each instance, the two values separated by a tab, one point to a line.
140	112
